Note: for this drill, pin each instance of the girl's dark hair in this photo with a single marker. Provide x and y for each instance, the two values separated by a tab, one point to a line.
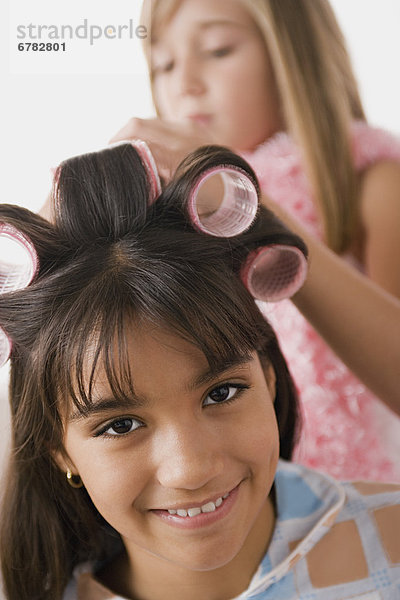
110	257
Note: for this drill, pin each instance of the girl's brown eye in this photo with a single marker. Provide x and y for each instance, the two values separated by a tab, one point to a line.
122	426
220	394
163	68
223	394
220	52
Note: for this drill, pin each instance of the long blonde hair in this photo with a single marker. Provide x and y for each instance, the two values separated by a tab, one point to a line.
319	96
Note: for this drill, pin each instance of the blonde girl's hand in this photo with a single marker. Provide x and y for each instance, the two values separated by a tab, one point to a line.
169	143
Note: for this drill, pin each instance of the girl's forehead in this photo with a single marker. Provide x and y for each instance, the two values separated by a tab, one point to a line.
153	352
203	14
156	362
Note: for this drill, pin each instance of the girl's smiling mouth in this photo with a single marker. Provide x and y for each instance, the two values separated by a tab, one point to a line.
199	515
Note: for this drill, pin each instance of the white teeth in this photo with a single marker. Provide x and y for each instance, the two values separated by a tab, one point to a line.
209	507
193	512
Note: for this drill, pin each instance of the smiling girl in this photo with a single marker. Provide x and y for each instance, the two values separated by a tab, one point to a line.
153	412
272	79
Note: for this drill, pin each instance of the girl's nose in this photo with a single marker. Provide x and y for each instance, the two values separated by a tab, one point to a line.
188	459
191	81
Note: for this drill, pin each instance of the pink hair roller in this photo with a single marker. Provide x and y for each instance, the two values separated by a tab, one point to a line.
18	266
151	168
273	273
237	208
5	347
149	164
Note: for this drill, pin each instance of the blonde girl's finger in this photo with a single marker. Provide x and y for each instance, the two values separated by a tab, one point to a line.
153	130
159	132
128	132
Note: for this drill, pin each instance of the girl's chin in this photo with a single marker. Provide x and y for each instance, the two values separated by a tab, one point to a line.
207	562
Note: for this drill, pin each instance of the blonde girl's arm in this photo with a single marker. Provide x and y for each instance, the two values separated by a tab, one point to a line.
380	217
357	318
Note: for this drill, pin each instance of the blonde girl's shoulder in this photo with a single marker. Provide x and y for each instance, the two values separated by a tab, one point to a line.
380	219
381	179
376	155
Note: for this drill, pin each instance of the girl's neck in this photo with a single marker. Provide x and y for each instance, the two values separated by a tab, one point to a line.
138	575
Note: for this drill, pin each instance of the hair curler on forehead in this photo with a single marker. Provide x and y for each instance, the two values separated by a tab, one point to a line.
18	266
236	203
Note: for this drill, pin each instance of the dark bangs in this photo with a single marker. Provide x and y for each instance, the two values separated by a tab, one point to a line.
130	283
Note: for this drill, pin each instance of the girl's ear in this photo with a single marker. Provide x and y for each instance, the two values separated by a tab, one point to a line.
67	467
63	461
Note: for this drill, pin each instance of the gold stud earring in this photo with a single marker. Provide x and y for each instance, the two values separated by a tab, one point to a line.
74	480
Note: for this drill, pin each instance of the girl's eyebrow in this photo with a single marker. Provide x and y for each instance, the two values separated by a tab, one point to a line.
107	404
209	24
239	362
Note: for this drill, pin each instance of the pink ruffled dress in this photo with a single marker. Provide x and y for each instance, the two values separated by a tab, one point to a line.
347	432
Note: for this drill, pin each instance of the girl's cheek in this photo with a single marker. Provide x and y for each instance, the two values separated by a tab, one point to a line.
264	439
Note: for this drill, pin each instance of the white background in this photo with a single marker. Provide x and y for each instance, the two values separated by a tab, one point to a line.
48	117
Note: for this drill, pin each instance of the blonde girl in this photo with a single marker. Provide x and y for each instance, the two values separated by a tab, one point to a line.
272	79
